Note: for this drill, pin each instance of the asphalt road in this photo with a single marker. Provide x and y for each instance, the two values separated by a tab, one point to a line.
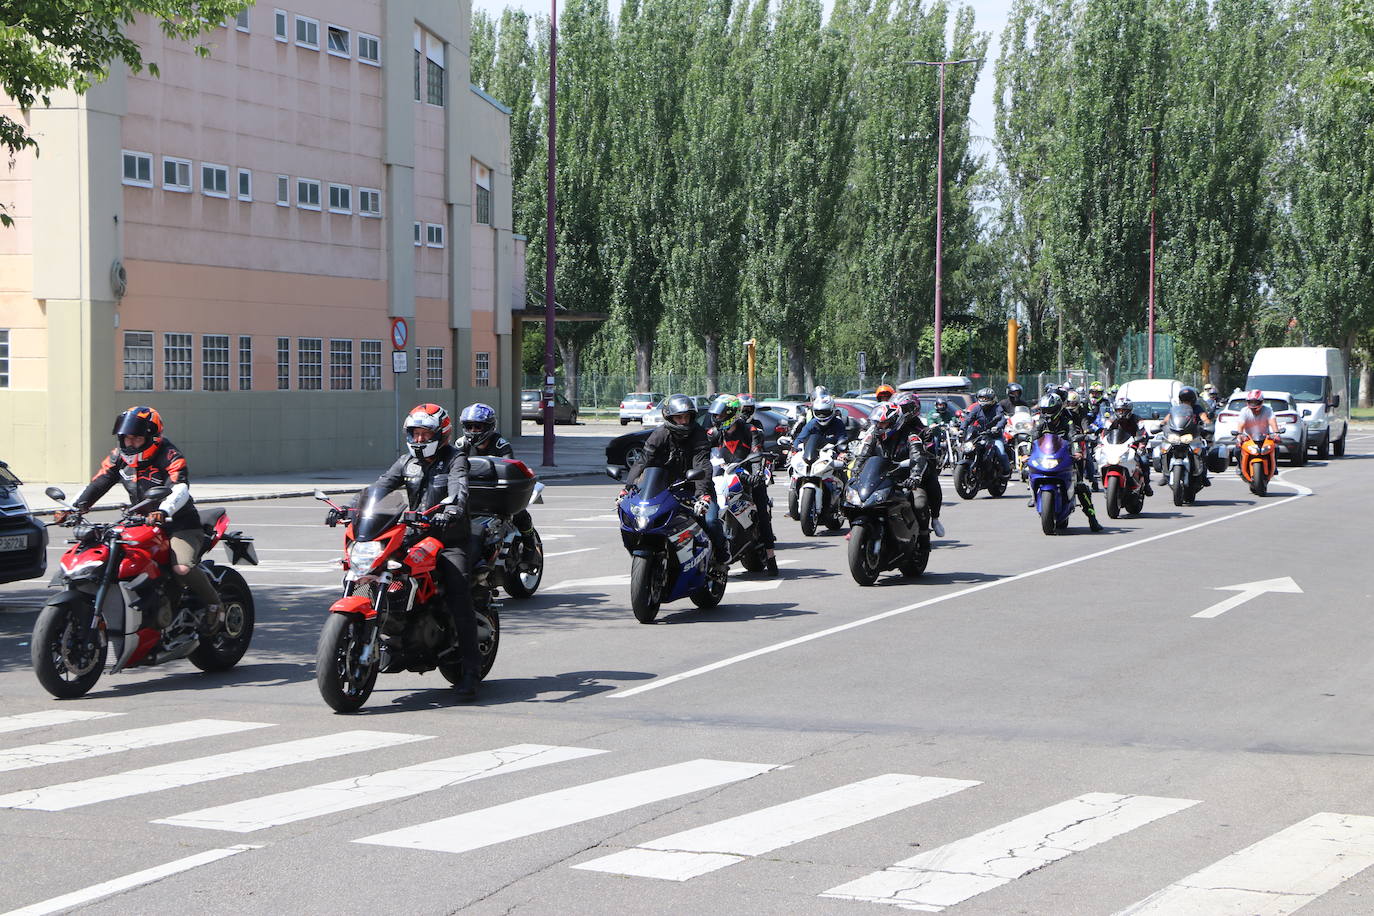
1038	725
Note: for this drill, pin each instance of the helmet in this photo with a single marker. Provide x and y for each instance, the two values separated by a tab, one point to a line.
1051	404
747	405
1072	398
138	421
433	418
908	402
1111	392
987	397
1014	391
884	392
478	422
885	418
1255	396
1187	395
678	404
941	404
724	409
823	407
1124	407
1095	391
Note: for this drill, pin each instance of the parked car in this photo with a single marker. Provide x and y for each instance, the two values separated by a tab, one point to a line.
654	417
1292	439
532	407
623	451
23	541
1317	379
634	404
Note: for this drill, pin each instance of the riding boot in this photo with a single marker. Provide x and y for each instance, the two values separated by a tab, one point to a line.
1085	500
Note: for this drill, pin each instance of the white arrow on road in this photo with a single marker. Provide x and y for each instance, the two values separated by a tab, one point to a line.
1247	591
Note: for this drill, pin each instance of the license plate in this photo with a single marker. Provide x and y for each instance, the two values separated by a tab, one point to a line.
13	542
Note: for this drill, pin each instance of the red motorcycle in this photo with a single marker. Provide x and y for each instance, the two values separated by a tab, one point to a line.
118	590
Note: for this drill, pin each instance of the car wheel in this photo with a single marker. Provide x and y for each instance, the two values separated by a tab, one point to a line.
1324	448
624	422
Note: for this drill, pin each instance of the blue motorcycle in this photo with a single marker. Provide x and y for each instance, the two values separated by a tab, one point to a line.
670	553
1054	482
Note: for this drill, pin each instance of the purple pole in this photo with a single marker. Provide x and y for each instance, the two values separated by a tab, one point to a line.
1154	180
549	235
939	223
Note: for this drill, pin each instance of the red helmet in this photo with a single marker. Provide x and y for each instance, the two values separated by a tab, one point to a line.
885	417
138	421
433	418
1255	395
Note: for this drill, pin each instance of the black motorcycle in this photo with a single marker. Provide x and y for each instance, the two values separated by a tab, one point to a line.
977	468
889	518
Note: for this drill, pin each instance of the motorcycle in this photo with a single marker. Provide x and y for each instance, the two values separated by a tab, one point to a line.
819	484
942	444
392	615
1183	454
1019	431
1054	477
670	552
977	468
1124	474
889	528
519	560
734	486
118	591
1258	461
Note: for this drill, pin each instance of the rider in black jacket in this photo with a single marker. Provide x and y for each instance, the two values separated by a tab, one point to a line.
480	438
987	416
432	471
738	437
895	431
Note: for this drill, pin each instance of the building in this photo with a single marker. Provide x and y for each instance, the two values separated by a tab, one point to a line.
230	242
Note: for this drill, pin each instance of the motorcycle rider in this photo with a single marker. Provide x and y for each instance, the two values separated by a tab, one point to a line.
1257	418
480	438
804	413
143	460
1015	398
987	415
884	393
738	438
895	431
1188	396
1211	398
681	445
1099	408
1122	416
433	470
1053	416
825	422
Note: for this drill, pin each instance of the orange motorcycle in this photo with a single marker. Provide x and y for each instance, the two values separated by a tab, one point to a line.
1258	461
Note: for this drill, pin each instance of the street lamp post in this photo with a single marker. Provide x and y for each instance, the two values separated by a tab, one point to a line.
940	199
1154	183
550	234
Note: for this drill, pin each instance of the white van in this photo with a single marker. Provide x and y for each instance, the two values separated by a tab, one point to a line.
1151	399
1316	378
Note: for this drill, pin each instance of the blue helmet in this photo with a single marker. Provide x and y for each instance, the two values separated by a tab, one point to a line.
478	422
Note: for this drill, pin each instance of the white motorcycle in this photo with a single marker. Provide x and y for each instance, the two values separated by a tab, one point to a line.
1124	475
739	516
818	484
1020	432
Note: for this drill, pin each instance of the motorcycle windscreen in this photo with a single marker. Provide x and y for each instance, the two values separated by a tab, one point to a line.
876	473
653	482
1182	420
1117	436
379	509
1050	446
812	449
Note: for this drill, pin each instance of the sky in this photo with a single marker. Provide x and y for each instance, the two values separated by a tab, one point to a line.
991	16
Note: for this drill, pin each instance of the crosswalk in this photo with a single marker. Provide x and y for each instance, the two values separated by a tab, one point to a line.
1274	876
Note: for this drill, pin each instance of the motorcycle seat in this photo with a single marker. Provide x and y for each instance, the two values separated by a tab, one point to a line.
209	518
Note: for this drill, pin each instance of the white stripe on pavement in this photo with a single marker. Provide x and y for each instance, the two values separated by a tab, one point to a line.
332	797
128	882
25	720
37	755
564	807
1275	876
695	852
564	553
965	868
202	769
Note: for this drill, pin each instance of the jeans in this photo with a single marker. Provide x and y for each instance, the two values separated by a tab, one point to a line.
716	531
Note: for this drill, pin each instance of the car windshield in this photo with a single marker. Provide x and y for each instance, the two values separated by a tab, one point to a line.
378	510
1150	410
7	479
1303	388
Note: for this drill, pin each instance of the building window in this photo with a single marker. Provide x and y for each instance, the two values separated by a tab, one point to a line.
214	362
369	49
245	184
419	367
241	21
214	180
481	374
338	41
307	194
176	362
434	235
245	363
340	198
434	84
138	169
482	200
283	190
417	235
176	174
417	74
279	29
283	363
309	356
369	202
4	357
138	360
370	365
308	33
341	365
434	367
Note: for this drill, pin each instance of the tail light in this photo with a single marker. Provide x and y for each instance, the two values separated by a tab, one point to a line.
520	466
779	430
622	405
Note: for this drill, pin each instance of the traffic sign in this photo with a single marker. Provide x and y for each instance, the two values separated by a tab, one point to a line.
863	361
398	361
400	333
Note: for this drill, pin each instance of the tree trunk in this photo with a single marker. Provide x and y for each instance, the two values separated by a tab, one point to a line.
570	352
1107	362
644	363
1366	381
712	342
809	371
1214	375
796	358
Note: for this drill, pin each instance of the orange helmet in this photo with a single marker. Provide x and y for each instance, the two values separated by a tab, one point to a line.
138	421
884	392
433	418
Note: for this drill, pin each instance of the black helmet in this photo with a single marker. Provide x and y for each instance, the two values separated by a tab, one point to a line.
941	403
1014	391
138	421
986	397
1187	395
678	404
1051	404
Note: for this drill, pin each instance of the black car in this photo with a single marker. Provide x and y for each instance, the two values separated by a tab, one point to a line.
623	451
23	541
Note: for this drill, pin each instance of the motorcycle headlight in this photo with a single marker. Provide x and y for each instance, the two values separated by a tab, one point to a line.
364	554
1048	464
1186	437
968	447
1175	438
639	510
852	498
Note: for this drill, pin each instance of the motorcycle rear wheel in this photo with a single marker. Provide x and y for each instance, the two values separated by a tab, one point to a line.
645	587
709	595
863	565
916	561
753	559
997	487
525	584
454	673
1047	519
964	484
1176	484
1113	497
344	684
806	506
227	646
50	650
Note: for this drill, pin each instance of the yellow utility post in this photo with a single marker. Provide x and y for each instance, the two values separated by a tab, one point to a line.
752	345
1011	350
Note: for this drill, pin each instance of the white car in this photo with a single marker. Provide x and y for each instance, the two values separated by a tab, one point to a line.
634	405
1292	435
1317	379
654	417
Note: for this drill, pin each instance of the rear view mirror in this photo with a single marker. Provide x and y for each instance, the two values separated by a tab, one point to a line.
55	494
1335	401
320	495
696	474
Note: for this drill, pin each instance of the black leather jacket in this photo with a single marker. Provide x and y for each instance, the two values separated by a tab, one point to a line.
493	447
164	467
679	455
428	481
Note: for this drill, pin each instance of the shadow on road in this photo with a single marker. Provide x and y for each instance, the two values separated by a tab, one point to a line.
570	685
728	612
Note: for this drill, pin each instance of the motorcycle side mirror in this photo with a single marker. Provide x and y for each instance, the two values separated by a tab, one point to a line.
331	517
696	474
156	495
55	494
320	495
538	494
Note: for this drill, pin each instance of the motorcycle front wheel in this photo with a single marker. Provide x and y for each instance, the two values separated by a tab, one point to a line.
67	659
1113	497
863	555
1259	481
1047	519
806	505
964	483
529	568
1176	484
224	650
646	586
344	682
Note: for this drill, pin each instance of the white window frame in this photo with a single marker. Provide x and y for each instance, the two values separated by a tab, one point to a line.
418	235
307	182
283	201
283	363
220	169
374	211
304	375
347	208
214	373
178	187
281	26
481	369
238	184
5	358
347	53
178	375
434	367
241	20
340	364
309	22
245	365
144	340
434	239
369	365
138	157
377	42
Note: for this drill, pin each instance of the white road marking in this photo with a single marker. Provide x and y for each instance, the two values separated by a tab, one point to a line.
128	882
25	720
565	807
1249	590
950	596
965	868
744	586
705	849
37	755
564	553
1275	876
595	518
390	785
303	586
202	769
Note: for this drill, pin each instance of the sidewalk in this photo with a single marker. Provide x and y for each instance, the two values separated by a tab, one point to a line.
577	455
